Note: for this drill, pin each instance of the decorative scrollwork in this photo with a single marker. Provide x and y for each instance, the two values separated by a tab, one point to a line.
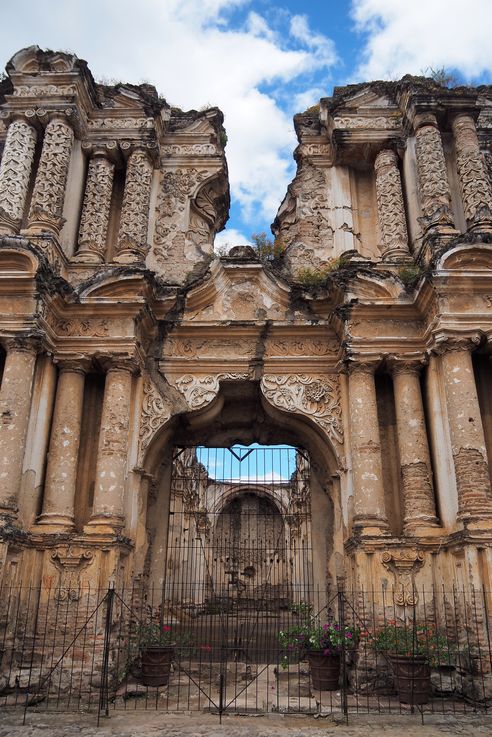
317	397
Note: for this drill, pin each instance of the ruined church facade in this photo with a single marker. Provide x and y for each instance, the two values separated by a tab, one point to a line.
363	336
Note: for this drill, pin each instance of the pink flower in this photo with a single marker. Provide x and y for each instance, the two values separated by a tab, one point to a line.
166	628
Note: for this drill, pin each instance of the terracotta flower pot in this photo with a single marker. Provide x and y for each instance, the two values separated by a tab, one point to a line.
325	670
156	665
412	677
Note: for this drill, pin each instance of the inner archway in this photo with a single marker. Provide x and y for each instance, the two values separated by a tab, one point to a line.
241	416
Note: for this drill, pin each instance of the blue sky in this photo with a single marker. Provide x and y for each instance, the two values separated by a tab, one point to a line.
254	463
260	61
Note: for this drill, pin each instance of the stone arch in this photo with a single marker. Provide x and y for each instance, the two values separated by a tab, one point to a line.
299	413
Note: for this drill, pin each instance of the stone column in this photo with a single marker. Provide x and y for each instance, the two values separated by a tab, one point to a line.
15	173
132	235
369	502
15	405
96	209
466	431
45	213
475	185
391	208
63	456
416	471
108	506
435	195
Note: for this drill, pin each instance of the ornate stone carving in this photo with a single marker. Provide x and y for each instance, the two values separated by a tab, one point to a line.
132	237
316	149
124	123
354	122
173	224
49	189
318	397
404	564
70	561
189	149
303	347
44	90
15	171
96	328
475	184
155	412
190	348
95	212
201	390
391	208
434	188
304	219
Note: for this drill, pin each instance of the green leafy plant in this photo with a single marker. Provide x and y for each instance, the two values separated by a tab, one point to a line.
310	277
312	636
412	639
266	248
409	274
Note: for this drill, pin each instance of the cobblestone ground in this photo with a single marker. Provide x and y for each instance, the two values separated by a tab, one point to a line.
206	725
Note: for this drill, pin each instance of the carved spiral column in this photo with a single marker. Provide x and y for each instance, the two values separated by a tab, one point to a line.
391	208
466	430
96	209
15	172
61	473
132	236
475	185
435	194
108	509
15	405
48	195
418	492
369	503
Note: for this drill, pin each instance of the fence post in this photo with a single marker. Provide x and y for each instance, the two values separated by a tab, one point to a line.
104	688
341	617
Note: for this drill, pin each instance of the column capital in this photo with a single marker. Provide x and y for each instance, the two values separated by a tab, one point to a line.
456	343
422	120
111	364
363	365
102	149
26	344
406	365
386	157
73	365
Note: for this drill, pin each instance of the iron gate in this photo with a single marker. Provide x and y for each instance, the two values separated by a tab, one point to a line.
239	563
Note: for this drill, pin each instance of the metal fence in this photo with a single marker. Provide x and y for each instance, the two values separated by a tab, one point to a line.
79	649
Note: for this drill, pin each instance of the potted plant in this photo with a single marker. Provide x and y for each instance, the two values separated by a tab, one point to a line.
152	648
414	649
323	645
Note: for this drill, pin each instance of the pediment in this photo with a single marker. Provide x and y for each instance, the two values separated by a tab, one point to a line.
13	261
127	288
366	287
201	126
366	99
32	60
127	99
238	292
476	257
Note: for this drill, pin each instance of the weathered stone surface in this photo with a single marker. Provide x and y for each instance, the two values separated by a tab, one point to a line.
361	337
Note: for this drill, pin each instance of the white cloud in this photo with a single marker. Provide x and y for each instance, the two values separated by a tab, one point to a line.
228	238
192	53
408	37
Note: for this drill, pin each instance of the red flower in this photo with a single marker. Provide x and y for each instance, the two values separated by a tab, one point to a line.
166	628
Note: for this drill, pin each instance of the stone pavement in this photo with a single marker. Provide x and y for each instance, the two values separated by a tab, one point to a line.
155	724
